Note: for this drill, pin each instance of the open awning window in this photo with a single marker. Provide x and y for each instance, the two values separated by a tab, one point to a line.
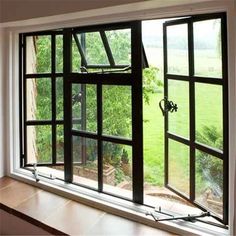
105	51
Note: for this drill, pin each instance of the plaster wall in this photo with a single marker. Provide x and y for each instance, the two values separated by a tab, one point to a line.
13	10
2	117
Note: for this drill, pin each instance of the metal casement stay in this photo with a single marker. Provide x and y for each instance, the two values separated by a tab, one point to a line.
190	218
103	71
193	218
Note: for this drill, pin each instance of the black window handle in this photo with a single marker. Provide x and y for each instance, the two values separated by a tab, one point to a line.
167	106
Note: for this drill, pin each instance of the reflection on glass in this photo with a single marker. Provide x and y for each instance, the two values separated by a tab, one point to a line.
59	98
59	53
39	144
178	92
209	182
60	143
120	44
179	166
209	115
117	169
117	112
38	99
84	107
207	48
38	54
85	168
177	49
93	48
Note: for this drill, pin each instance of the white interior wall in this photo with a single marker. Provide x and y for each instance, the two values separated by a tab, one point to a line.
234	193
2	156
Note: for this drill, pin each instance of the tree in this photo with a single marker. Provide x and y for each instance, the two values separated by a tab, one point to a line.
117	107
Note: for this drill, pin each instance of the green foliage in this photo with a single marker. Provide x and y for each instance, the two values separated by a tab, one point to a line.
209	169
116	99
211	136
94	50
43	136
119	176
151	82
119	41
117	110
43	54
124	157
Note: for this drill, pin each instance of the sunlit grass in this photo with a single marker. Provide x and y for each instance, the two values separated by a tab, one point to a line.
209	113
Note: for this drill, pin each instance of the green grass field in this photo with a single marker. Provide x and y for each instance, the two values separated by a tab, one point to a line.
208	113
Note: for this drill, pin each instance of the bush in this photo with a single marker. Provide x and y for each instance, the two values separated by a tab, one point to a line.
209	169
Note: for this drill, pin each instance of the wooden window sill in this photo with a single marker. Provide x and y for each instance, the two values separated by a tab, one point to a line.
58	215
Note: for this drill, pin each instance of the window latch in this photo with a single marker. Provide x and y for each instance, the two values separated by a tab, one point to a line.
169	106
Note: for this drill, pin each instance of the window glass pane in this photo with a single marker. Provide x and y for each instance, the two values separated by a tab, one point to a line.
177	49
207	48
120	44
179	166
93	48
38	99
117	112
60	143
209	182
117	169
178	93
76	58
76	105
209	115
39	144
59	98
38	54
85	168
59	53
84	107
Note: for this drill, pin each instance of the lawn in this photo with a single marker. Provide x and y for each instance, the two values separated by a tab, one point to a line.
153	141
208	113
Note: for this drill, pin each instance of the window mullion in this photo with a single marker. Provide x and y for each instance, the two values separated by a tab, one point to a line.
67	58
100	144
191	110
53	91
137	108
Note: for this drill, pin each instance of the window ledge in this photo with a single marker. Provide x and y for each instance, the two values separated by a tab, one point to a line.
116	206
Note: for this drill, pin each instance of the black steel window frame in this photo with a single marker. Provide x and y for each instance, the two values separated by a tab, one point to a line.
132	79
192	79
24	76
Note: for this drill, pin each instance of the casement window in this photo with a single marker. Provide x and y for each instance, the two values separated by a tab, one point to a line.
82	110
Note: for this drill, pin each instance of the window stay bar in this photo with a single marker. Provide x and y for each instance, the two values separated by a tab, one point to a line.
189	218
84	69
37	174
107	47
144	58
84	61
